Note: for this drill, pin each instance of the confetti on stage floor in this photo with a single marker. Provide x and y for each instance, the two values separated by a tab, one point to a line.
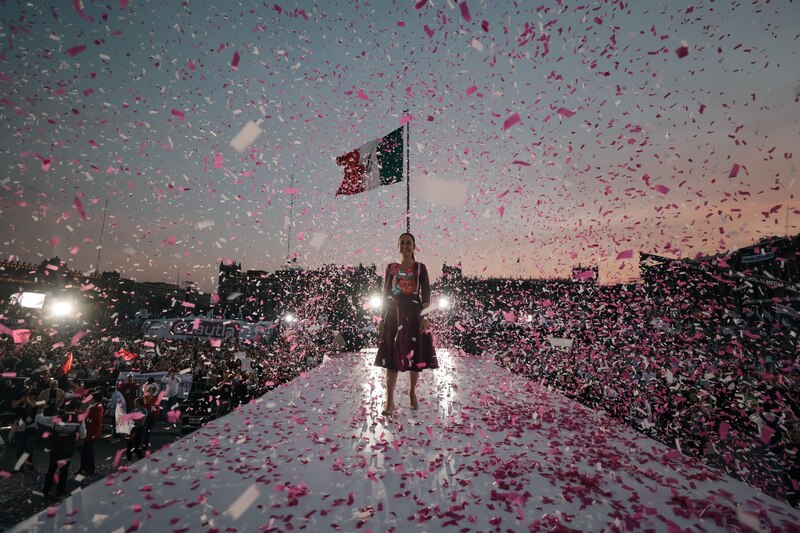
487	450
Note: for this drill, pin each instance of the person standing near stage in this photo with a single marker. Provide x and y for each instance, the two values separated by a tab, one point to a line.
134	442
53	398
117	399
94	428
172	388
152	405
64	434
129	391
25	414
405	342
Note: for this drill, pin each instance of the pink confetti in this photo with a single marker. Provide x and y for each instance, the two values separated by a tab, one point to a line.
472	90
682	51
77	337
465	11
75	50
235	61
428	30
79	207
563	111
626	254
178	113
734	171
662	188
510	121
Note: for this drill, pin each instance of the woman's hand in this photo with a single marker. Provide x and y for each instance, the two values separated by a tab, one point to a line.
424	325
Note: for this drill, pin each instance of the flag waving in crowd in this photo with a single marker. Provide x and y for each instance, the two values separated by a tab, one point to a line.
125	354
378	162
67	364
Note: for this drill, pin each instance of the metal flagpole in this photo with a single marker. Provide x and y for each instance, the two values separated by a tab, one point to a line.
291	225
408	176
100	246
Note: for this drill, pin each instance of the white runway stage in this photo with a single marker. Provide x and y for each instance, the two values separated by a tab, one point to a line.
488	450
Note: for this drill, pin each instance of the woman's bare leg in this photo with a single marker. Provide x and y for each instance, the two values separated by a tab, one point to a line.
391	381
412	392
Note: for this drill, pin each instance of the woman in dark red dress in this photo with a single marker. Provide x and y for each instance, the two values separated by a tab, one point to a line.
405	342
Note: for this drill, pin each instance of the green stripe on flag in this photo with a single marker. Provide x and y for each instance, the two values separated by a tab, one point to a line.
390	157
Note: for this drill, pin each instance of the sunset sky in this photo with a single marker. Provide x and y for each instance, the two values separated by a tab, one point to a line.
543	134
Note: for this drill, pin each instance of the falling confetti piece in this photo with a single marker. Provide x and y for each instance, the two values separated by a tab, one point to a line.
510	121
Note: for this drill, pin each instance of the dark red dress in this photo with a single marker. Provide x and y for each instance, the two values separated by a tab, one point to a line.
402	347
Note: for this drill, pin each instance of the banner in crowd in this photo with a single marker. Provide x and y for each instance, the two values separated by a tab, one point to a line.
207	328
771	282
140	378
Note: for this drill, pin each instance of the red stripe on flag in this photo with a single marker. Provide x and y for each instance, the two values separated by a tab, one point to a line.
354	173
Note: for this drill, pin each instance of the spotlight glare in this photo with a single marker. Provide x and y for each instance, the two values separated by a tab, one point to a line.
375	301
288	317
444	303
61	308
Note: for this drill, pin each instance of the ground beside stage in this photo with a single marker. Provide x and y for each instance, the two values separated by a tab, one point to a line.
487	450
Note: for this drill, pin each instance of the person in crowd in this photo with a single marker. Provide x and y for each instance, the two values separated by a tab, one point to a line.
116	399
94	429
152	407
53	398
25	425
63	381
405	342
129	390
252	385
224	396
65	432
134	442
239	389
172	388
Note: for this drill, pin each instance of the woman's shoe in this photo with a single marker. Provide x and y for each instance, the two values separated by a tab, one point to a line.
414	404
388	411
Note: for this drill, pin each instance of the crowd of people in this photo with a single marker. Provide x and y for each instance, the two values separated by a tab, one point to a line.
680	360
683	357
64	392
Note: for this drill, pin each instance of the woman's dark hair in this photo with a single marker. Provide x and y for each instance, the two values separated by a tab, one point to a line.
414	240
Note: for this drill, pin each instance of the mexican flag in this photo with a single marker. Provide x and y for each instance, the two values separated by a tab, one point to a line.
379	162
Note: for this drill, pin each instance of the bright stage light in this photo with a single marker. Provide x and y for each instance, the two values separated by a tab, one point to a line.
444	303
31	300
288	317
61	308
375	302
